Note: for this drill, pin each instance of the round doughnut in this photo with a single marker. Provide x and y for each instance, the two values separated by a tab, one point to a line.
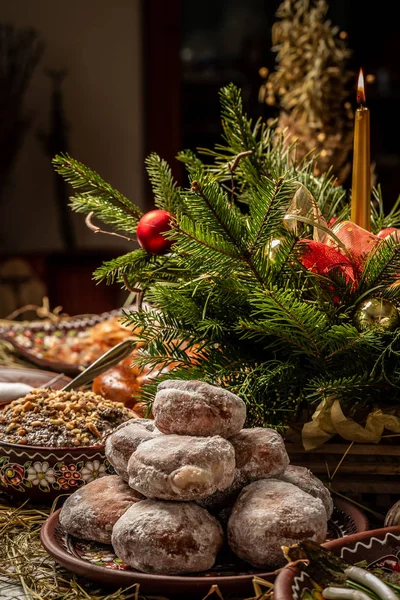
125	439
155	536
260	452
269	514
221	498
197	408
221	503
91	511
179	467
308	482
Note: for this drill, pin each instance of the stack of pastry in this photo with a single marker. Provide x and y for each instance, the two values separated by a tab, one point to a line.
193	479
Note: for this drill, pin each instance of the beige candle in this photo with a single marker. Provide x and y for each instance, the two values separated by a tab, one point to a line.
361	180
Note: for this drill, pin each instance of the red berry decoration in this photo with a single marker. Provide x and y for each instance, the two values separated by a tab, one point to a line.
149	231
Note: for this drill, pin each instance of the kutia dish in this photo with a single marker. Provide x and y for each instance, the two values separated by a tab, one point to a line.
58	418
376	550
53	442
98	562
70	344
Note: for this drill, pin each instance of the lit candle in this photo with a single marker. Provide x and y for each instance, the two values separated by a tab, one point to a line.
361	181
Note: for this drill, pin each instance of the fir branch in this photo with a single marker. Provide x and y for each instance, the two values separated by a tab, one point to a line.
210	203
232	167
267	208
382	267
165	189
237	128
282	256
153	326
97	196
191	161
346	341
380	220
357	387
140	264
279	313
200	250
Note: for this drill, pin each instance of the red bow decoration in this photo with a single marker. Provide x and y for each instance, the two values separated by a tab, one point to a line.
342	247
346	254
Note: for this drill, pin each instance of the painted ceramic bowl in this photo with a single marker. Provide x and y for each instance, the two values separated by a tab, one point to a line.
39	473
43	473
376	548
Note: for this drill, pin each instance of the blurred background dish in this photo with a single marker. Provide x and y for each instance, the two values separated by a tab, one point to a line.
67	345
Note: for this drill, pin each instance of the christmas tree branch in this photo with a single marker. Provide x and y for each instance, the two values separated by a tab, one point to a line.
199	191
265	218
382	267
232	167
97	196
285	316
165	189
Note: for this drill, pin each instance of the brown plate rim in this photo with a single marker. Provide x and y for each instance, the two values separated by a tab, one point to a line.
59	554
20	447
177	582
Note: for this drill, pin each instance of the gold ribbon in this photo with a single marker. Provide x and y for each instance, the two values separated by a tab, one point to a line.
329	420
304	208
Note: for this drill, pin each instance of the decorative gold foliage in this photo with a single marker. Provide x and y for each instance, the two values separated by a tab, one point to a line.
310	84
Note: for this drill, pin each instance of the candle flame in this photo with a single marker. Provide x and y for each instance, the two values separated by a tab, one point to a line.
361	88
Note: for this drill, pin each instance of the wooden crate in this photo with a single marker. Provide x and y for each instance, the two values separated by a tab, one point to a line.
352	468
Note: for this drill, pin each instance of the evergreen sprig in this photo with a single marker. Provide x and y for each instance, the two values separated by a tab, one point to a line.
232	303
97	196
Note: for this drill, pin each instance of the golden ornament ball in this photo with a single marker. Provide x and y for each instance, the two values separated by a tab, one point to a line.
377	313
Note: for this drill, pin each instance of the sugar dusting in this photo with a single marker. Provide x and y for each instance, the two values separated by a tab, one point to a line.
197	408
177	467
308	482
91	511
125	439
155	536
260	452
270	514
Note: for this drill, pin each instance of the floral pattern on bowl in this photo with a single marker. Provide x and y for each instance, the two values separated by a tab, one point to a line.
44	473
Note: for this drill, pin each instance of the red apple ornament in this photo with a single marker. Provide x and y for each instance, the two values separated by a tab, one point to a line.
150	229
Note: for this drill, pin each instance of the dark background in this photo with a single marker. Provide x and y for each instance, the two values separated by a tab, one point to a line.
189	49
230	40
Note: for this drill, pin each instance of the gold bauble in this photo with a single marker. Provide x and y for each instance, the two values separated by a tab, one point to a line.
272	249
377	313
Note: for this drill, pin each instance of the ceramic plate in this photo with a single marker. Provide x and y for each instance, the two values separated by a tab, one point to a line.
377	549
33	377
98	562
30	339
